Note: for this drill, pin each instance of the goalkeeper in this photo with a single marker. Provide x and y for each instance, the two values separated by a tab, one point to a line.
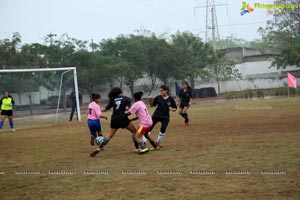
6	104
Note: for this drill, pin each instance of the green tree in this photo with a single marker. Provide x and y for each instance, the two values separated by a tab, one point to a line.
283	34
159	61
192	56
129	52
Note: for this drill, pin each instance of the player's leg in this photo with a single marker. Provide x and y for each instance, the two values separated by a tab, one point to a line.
185	115
180	111
98	128
93	129
105	142
141	131
2	119
152	142
161	135
99	133
11	122
138	138
72	111
155	120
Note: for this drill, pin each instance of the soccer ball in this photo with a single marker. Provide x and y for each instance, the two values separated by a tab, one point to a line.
99	140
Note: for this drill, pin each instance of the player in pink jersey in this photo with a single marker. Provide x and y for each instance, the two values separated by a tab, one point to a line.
145	121
94	115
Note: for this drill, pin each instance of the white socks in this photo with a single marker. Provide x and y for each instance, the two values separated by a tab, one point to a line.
160	137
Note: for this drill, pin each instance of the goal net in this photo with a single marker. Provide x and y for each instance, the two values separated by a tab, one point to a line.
42	96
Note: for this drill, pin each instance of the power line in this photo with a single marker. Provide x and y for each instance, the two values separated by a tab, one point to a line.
229	25
244	24
162	11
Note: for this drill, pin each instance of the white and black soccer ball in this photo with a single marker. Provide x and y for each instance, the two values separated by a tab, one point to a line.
99	140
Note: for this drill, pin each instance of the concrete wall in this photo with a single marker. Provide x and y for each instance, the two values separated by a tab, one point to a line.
254	75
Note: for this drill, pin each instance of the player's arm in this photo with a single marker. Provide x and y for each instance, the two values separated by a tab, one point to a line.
173	106
179	101
191	101
12	102
1	103
152	102
127	112
108	106
103	117
134	119
128	104
172	109
191	98
179	98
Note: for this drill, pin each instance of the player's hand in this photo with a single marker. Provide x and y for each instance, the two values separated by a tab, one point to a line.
172	109
106	118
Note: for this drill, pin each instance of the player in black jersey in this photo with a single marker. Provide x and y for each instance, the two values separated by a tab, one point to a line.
119	119
185	101
165	103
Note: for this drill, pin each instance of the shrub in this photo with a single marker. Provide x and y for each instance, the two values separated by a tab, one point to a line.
260	93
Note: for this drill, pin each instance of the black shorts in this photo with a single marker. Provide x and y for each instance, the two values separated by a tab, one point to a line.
182	105
119	122
163	120
7	113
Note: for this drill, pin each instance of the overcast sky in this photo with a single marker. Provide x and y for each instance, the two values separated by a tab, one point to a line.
102	19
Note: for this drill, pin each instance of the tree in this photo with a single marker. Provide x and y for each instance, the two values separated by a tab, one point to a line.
9	49
91	69
192	56
230	42
222	69
129	52
13	55
283	34
159	61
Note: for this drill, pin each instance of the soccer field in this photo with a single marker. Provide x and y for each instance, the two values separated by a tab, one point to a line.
251	150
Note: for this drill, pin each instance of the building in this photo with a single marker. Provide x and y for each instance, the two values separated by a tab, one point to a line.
256	70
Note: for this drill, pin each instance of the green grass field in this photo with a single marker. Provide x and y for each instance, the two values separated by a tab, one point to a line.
233	136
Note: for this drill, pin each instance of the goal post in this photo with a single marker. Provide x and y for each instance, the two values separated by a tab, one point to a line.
65	69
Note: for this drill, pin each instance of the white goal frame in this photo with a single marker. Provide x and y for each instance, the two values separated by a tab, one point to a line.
65	69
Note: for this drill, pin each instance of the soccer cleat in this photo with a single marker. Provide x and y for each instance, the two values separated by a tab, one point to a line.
137	150
94	153
93	140
159	145
142	151
155	148
13	130
0	130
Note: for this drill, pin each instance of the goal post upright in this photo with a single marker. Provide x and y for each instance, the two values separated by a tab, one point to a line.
77	94
53	69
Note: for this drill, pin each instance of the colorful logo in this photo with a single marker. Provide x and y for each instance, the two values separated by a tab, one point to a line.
246	8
